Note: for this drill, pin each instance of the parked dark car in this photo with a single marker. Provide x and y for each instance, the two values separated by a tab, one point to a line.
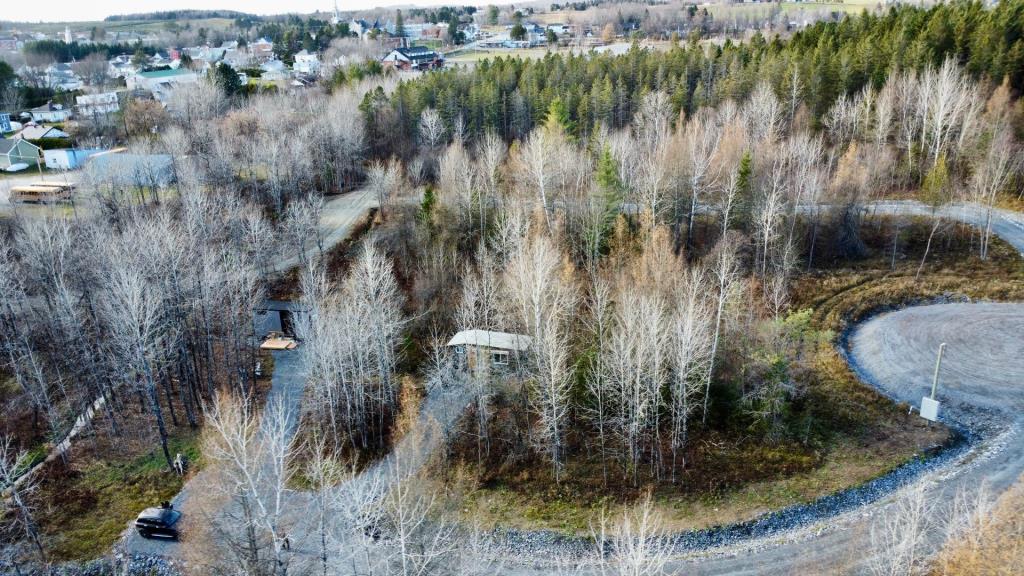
158	523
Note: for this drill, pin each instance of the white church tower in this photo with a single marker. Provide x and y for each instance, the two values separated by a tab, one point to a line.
67	34
336	18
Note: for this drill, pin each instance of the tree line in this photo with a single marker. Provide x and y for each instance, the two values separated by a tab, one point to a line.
60	51
812	69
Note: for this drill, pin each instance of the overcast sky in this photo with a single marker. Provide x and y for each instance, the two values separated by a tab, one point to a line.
79	10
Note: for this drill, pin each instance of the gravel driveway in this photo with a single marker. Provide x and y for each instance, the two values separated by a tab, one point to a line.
340	215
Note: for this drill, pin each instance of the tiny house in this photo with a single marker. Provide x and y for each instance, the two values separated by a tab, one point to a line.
483	349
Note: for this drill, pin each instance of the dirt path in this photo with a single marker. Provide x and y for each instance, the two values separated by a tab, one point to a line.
341	214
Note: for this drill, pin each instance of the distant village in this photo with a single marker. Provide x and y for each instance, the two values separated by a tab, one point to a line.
150	64
36	136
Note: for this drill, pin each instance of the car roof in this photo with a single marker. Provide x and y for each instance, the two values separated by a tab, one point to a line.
165	515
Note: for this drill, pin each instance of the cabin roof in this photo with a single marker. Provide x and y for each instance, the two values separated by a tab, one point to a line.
488	339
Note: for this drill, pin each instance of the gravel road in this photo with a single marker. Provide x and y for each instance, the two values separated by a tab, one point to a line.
287	384
341	214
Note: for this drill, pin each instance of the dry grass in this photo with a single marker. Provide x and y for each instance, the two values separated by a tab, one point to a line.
996	548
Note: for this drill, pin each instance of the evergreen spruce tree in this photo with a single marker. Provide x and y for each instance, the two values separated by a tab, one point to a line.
744	202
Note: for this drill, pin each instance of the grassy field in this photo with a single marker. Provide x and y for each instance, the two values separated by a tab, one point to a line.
734	479
139	26
90	501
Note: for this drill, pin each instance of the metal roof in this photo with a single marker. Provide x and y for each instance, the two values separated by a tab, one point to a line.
488	339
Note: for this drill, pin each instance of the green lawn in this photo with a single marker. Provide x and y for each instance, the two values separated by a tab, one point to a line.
88	507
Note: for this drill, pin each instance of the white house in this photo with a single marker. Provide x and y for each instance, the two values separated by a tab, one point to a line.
483	348
306	63
62	77
90	105
50	112
274	70
237	58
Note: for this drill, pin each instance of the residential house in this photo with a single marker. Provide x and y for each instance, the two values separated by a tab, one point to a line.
362	28
18	151
262	50
62	77
485	350
413	58
92	105
559	28
161	82
138	170
237	58
306	63
9	44
50	112
35	132
472	32
274	70
120	66
421	31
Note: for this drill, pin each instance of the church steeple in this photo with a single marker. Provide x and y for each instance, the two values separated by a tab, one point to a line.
336	19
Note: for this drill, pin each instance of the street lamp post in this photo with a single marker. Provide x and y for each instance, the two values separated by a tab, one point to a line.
938	363
929	405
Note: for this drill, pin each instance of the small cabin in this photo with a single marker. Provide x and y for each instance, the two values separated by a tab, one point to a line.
483	349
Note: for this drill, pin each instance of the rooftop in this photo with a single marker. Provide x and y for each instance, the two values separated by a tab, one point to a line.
488	339
165	73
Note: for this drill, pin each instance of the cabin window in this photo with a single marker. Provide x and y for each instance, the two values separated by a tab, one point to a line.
499	357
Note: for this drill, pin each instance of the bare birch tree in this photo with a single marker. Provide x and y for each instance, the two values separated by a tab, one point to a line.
541	299
636	545
991	176
725	269
701	138
899	535
690	354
